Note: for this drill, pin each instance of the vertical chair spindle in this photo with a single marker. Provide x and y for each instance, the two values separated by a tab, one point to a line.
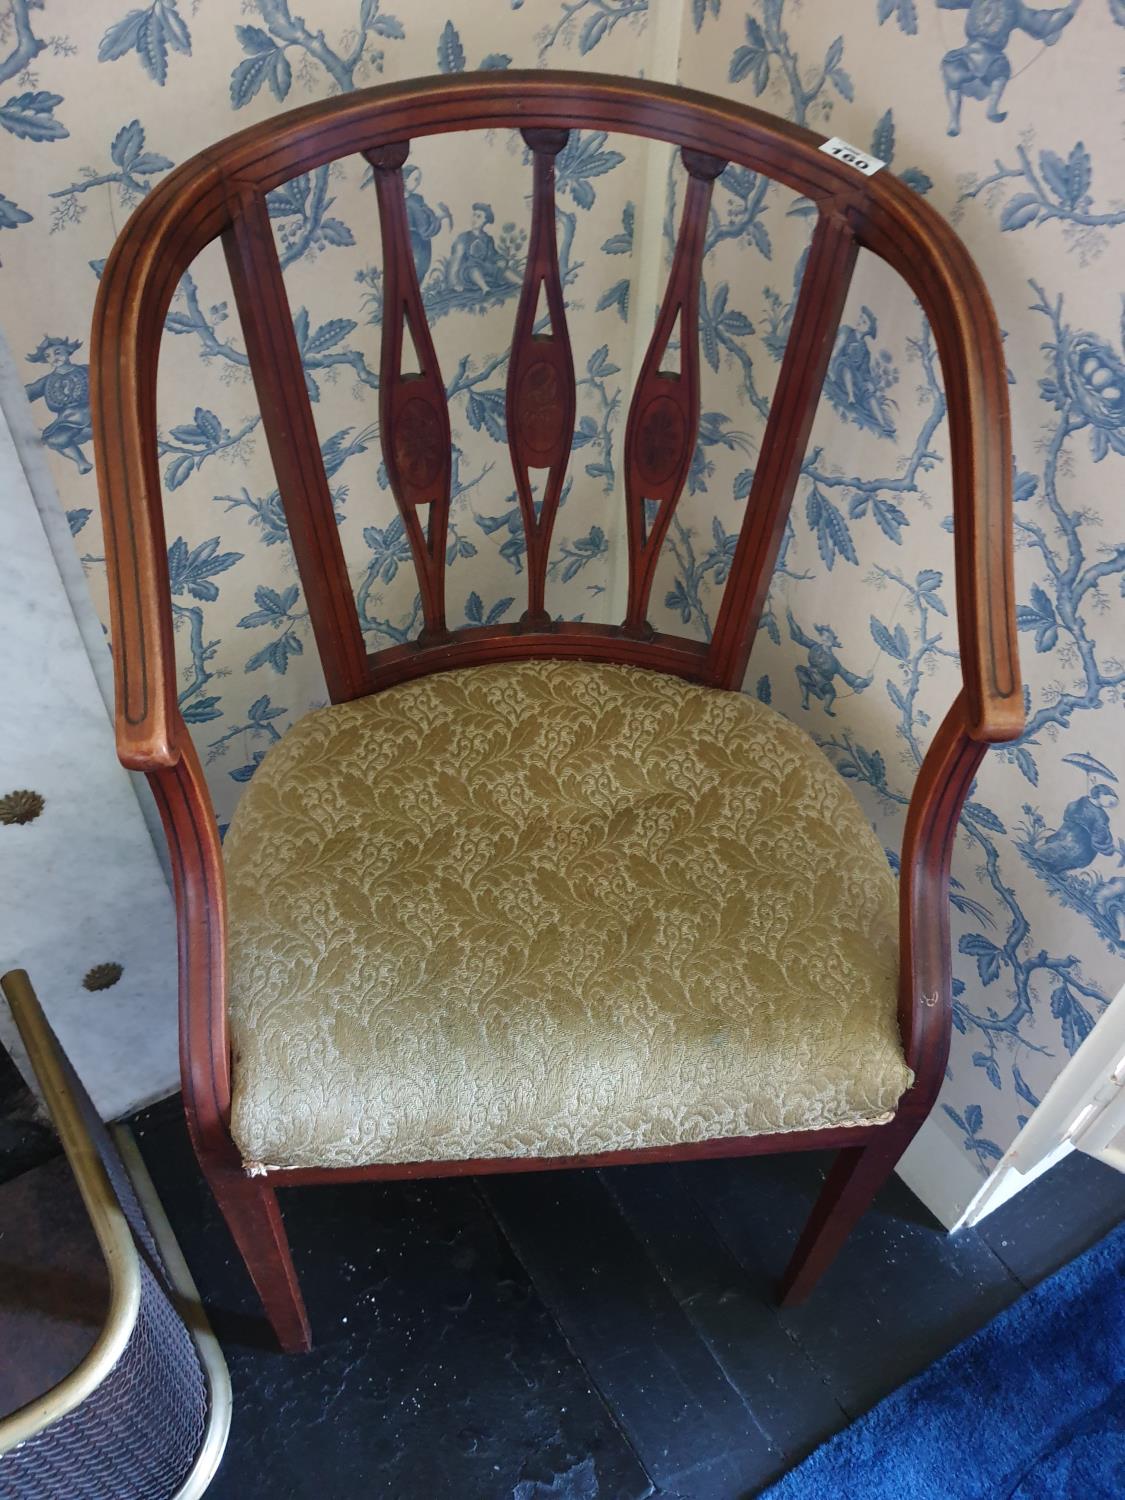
820	305
541	394
283	398
664	414
413	412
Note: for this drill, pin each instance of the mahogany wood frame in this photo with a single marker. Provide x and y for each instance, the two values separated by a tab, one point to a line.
221	193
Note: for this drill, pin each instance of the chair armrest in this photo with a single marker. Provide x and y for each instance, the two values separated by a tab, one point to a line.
134	295
895	224
123	404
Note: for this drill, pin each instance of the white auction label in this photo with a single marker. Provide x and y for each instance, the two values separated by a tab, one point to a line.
862	161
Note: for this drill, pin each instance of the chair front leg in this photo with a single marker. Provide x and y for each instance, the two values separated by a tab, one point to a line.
856	1176
253	1217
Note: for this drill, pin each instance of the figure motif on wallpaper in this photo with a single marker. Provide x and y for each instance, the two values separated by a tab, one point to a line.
980	69
66	390
475	263
423	222
1063	856
857	384
479	271
817	678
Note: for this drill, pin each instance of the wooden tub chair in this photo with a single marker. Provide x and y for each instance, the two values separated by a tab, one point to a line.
544	894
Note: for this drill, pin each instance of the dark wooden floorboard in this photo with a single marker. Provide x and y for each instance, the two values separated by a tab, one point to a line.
54	1286
436	1371
692	1429
732	1308
27	1136
901	1293
1058	1216
574	1336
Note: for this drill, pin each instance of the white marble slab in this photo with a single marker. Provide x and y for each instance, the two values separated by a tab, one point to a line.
81	884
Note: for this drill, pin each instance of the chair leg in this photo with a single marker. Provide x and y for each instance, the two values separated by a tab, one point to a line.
857	1175
254	1219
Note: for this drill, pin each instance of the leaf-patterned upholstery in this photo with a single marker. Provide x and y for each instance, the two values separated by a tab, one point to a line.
546	908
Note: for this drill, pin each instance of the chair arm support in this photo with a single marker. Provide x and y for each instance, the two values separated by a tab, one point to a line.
925	961
197	869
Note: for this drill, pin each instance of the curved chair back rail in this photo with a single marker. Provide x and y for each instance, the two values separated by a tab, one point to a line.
222	193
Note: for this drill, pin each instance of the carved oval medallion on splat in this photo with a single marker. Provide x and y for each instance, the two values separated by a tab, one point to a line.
540	409
660	440
418	444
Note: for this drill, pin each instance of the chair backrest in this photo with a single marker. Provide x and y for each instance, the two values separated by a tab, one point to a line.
222	192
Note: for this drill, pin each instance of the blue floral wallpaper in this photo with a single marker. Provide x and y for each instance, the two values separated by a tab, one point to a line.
1006	114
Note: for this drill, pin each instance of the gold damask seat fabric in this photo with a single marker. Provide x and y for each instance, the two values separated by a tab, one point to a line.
550	908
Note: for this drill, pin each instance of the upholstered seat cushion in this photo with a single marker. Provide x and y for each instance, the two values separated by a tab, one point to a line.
549	908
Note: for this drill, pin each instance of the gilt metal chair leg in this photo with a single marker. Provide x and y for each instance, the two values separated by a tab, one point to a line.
254	1219
856	1176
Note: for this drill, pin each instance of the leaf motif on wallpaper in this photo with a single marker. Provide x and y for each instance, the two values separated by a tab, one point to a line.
371	20
189	318
259	725
587	23
1075	1021
458	547
277	610
987	1061
575	555
768	42
1055	189
300	207
883	146
874	496
695	572
616	296
513	549
585	156
29	116
450	52
476	614
11	214
715	431
133	168
622	243
485	410
267	47
988	956
903	11
971	1123
752	59
190	445
1039	616
833	539
895	643
723	331
192	571
266	63
150	33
